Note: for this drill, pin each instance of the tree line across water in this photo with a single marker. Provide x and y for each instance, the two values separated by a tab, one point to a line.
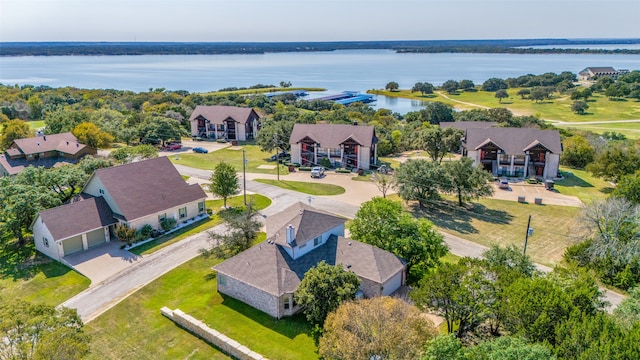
524	46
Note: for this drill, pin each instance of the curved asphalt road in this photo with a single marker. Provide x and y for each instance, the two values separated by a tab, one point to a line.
101	297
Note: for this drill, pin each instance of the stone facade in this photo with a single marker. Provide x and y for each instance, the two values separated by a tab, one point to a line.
250	295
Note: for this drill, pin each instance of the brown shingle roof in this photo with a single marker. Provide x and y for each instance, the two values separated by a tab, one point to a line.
51	142
216	114
77	218
307	221
268	267
514	140
147	187
332	135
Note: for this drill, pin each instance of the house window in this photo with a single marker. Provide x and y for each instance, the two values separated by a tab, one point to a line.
286	303
101	191
183	212
317	241
162	217
45	241
336	152
222	279
201	207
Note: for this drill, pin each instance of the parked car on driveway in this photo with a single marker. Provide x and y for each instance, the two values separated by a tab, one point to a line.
200	150
317	172
173	146
281	155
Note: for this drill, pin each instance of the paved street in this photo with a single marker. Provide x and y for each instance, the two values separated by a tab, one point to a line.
116	287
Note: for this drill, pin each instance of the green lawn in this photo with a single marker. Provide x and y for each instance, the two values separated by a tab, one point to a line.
259	202
36	124
504	222
630	130
254	156
312	188
135	329
583	185
28	275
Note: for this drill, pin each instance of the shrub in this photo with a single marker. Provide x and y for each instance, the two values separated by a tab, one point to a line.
305	168
168	223
325	162
221	141
343	171
146	231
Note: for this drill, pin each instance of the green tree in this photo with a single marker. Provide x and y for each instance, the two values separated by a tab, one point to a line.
438	142
437	112
422	87
20	205
91	135
629	187
382	327
614	162
323	288
494	84
32	331
275	135
384	182
510	258
129	154
450	86
392	86
627	314
537	94
224	181
419	180
466	180
63	120
444	347
509	348
242	229
467	85
501	94
523	93
13	130
579	107
159	128
577	152
532	308
383	223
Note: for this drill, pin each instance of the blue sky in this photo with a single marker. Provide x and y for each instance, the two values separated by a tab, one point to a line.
314	20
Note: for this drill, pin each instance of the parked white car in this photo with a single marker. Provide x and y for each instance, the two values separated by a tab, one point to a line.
317	172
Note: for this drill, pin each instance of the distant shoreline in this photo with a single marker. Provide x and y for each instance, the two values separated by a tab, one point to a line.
518	46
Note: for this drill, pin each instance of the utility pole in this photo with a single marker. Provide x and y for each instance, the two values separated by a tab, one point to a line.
244	176
275	141
526	237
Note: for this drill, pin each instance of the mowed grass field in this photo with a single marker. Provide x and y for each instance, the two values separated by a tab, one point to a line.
582	184
233	155
557	108
191	287
490	221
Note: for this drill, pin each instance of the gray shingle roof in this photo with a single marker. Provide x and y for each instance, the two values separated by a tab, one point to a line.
268	267
147	187
513	140
216	114
77	217
464	125
332	135
307	221
64	142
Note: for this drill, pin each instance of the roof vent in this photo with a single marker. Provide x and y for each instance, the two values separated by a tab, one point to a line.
349	243
77	145
348	266
44	137
67	143
355	123
38	144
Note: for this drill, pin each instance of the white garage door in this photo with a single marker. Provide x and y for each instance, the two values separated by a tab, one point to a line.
95	238
72	245
392	284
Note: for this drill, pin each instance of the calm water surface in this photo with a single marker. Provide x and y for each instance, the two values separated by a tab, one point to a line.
336	71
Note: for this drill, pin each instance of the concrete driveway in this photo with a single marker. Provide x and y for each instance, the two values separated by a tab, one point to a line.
102	262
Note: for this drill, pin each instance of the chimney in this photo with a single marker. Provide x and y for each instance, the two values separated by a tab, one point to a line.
77	145
67	143
44	137
290	234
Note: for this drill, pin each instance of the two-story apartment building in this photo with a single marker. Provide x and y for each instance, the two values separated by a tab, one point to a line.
224	122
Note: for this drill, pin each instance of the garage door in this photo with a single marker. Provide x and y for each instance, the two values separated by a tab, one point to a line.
72	245
95	238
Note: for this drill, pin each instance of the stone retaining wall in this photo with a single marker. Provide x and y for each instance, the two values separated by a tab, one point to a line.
213	337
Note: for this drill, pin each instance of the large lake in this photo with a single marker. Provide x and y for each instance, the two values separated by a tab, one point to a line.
336	71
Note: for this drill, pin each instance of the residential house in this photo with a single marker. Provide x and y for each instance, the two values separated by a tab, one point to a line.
267	275
344	145
42	150
516	152
134	194
592	72
224	122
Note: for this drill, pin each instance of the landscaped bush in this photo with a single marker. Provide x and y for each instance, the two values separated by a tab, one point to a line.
343	171
145	232
221	141
168	224
325	162
305	168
